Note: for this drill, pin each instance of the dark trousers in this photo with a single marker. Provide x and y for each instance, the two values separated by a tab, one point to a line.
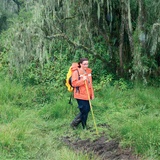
84	108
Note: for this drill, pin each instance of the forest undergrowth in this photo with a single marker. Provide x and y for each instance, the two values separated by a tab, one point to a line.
35	123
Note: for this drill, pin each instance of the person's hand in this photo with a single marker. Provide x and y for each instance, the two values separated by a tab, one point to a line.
92	97
84	78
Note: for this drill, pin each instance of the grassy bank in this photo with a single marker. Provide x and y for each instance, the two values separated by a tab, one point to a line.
134	116
33	121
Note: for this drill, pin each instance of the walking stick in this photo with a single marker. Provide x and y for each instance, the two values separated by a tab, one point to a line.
91	109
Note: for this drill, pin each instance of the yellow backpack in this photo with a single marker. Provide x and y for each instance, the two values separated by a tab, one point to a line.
68	80
69	76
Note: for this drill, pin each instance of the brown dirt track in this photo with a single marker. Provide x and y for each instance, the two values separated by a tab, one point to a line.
104	148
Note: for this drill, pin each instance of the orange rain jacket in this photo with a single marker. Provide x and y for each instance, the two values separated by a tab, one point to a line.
77	81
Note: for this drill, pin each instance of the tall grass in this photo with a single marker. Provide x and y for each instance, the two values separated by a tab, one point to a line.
30	130
134	116
34	120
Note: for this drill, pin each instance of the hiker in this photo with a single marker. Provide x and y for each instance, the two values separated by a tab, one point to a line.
80	80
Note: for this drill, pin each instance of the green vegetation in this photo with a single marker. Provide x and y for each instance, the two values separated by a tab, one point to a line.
43	37
39	41
31	129
134	116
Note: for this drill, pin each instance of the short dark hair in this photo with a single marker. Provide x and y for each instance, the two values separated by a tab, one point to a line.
83	59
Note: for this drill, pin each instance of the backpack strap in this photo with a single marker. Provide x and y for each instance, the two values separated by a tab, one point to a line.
77	88
70	100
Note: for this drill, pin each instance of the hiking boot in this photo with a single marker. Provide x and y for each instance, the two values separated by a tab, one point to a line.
72	126
76	121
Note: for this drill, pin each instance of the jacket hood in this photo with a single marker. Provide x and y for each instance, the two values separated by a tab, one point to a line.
74	66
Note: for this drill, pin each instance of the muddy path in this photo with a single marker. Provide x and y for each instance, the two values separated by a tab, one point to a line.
102	147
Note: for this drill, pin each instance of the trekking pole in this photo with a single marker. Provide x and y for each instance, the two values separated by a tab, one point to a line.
91	108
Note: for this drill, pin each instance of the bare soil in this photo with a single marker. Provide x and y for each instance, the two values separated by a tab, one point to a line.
104	148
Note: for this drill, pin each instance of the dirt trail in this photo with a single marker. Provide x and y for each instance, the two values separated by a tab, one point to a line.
102	147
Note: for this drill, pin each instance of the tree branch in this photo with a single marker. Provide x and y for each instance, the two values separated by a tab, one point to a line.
77	46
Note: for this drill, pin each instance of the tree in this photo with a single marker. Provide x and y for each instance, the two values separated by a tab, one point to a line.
118	35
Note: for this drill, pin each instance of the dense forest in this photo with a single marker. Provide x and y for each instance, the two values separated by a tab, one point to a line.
40	38
39	41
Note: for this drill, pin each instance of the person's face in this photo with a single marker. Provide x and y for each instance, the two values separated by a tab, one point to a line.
84	64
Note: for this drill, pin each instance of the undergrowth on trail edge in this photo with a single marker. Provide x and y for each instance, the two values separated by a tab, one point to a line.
35	119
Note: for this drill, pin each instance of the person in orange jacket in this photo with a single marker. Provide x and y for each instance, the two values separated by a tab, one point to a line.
79	76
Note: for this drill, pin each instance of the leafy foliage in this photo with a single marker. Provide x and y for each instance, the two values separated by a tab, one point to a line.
45	29
39	41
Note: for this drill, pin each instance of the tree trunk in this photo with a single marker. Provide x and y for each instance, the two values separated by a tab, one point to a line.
121	41
128	26
139	49
141	27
